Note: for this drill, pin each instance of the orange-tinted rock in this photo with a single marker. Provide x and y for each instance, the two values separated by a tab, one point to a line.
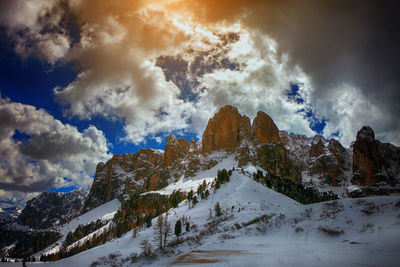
338	151
317	146
155	179
123	174
175	149
264	130
225	130
367	159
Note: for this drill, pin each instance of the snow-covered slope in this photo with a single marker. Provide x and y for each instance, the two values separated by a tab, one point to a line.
260	227
104	212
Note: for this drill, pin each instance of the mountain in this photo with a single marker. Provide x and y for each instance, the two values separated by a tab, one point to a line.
51	209
9	212
369	168
266	182
33	228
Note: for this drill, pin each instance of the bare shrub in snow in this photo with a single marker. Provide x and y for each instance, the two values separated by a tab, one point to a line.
238	226
370	208
331	209
133	257
261	227
367	227
147	248
299	229
111	260
113	256
330	231
95	263
297	220
307	213
227	236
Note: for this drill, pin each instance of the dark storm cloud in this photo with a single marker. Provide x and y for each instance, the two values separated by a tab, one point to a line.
334	42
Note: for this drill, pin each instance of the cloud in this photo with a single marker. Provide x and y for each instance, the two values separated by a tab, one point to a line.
338	44
38	151
18	198
166	66
260	84
37	28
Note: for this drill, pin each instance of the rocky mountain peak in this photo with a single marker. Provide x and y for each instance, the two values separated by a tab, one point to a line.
123	174
366	133
225	130
369	159
264	130
52	208
175	149
317	146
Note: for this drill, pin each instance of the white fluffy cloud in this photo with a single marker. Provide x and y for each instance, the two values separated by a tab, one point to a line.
348	110
36	28
48	152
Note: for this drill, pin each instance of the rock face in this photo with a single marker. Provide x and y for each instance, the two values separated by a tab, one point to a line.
175	149
317	146
273	158
225	130
264	130
52	208
374	162
123	174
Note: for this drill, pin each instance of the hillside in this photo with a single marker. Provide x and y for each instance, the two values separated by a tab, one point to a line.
259	226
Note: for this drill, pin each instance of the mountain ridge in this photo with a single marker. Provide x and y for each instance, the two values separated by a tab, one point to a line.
323	164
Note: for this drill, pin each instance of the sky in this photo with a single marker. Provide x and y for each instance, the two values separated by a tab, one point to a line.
81	80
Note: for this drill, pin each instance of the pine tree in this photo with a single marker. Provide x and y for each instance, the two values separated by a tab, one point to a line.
195	201
190	196
148	220
187	228
217	209
178	228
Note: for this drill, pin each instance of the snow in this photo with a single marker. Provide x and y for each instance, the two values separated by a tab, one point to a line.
89	236
104	212
367	229
182	185
225	161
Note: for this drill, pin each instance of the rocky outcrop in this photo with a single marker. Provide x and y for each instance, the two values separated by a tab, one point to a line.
339	152
326	169
374	162
273	158
175	149
52	208
122	174
317	146
264	130
225	130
